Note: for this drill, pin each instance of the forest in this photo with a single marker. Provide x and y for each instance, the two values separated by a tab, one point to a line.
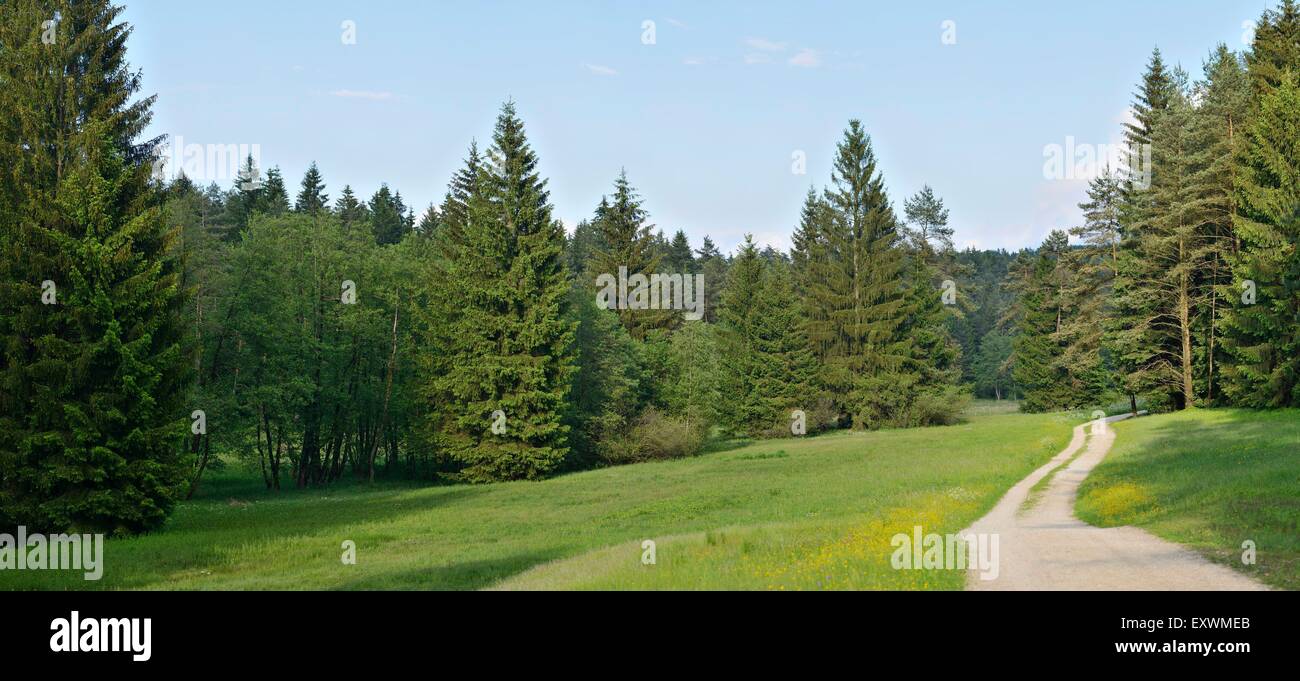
155	330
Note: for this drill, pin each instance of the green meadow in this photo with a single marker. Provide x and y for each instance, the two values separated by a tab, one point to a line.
788	514
1211	480
806	513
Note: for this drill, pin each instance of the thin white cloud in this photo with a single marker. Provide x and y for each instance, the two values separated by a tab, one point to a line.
694	61
599	70
756	58
677	22
807	58
765	45
362	94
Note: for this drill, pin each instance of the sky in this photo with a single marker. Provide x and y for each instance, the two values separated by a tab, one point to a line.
713	109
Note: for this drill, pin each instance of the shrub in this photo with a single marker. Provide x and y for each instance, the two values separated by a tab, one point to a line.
656	436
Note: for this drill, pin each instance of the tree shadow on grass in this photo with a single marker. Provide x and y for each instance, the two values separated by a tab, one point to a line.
1219	482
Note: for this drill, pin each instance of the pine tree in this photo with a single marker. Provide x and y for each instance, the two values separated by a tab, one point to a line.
93	372
927	223
1263	327
503	325
312	197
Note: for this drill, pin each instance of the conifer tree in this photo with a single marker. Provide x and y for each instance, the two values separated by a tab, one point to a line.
429	221
1263	326
274	196
1040	280
626	244
312	197
680	258
927	223
503	325
387	222
1219	123
1159	296
811	220
462	186
768	368
856	296
350	211
1275	49
713	265
93	372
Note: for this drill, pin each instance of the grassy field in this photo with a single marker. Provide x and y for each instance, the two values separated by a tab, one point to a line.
808	513
1209	479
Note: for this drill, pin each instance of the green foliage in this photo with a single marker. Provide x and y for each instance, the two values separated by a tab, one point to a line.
622	242
871	322
499	295
768	369
93	372
1264	337
312	197
387	221
606	394
992	367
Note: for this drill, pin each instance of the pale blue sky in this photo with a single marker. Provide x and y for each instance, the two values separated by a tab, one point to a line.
705	120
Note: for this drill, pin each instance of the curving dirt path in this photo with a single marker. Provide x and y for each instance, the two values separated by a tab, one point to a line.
1044	547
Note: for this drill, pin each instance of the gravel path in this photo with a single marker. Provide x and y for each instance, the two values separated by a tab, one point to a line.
1044	547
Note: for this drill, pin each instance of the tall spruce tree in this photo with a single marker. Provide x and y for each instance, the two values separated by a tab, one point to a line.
855	294
503	324
768	369
1159	297
93	372
1219	122
1263	326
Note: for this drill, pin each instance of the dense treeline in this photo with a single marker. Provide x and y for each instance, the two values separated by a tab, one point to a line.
156	330
1183	288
